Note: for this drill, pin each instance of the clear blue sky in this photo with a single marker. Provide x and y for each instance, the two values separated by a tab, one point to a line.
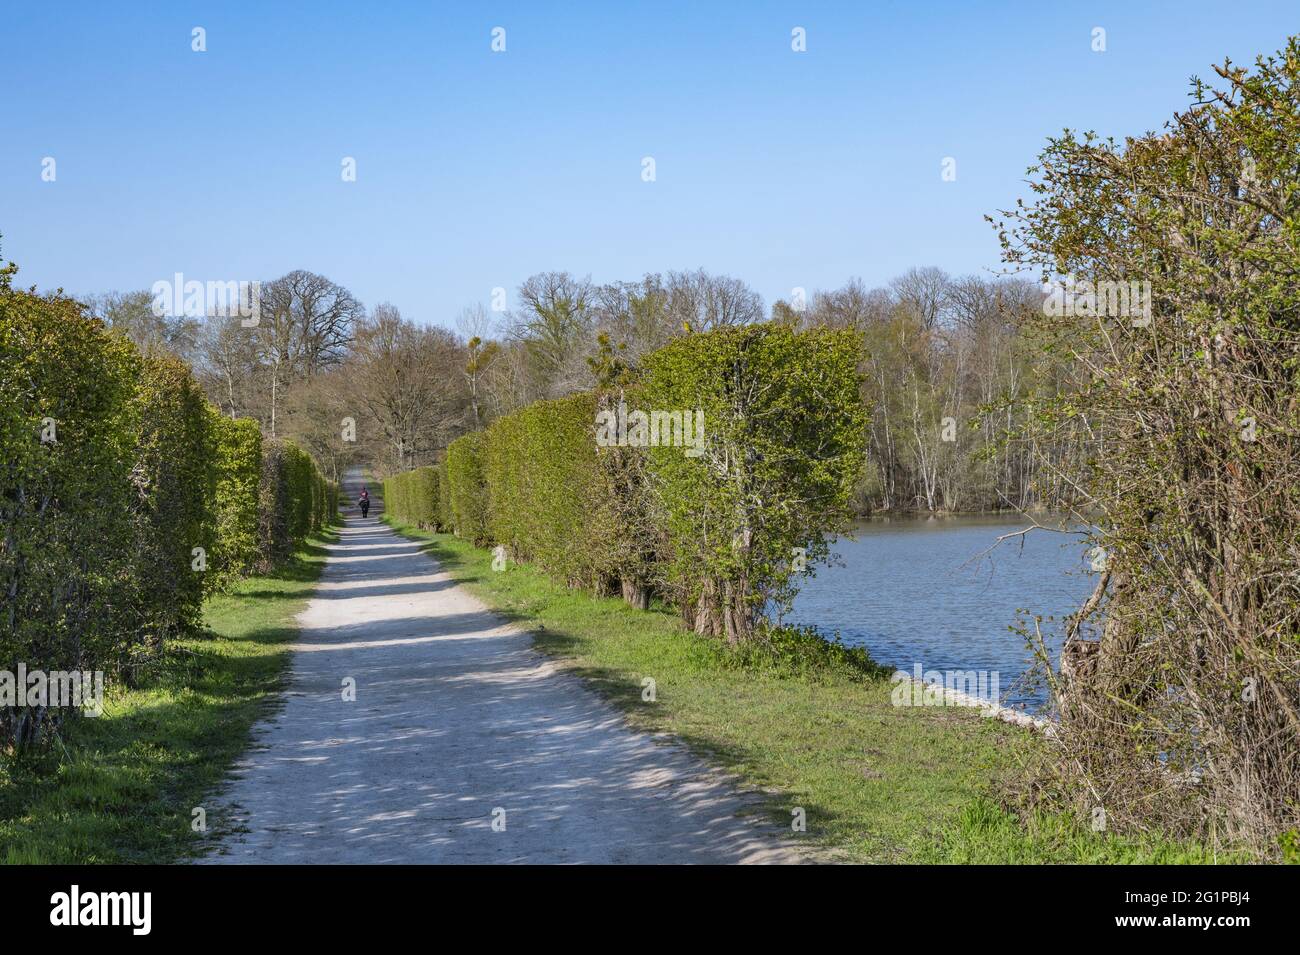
476	169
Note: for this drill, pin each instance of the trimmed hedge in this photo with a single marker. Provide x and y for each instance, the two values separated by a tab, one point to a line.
542	487
288	501
413	497
785	442
68	504
238	479
175	489
444	500
713	520
126	499
466	490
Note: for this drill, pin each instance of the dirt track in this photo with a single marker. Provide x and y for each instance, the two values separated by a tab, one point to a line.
456	717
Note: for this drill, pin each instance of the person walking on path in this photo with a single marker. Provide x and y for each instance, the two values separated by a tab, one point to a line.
364	501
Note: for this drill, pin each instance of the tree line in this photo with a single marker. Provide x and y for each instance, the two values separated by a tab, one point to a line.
949	368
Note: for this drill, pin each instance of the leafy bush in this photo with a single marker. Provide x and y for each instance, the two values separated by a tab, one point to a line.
444	513
1183	666
301	474
424	500
783	445
392	488
273	507
67	447
539	467
720	524
466	490
238	481
285	501
412	497
174	482
115	471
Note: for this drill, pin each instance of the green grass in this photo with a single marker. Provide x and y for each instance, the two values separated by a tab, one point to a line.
985	833
122	788
879	783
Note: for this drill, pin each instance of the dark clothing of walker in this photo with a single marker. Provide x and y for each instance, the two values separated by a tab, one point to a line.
364	501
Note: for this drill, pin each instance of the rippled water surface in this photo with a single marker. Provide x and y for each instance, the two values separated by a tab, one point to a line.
917	591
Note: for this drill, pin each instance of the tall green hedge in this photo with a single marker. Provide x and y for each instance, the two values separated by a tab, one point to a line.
623	488
175	497
785	439
126	499
443	510
302	492
68	505
325	500
286	503
412	497
238	483
542	488
467	493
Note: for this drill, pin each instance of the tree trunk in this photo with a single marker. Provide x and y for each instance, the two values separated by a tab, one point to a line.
636	594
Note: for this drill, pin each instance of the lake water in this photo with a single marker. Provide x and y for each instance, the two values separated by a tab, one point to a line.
917	591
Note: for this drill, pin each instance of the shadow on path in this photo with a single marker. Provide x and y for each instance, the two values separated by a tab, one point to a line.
458	724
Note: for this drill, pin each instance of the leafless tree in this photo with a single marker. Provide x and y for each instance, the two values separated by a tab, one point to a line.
306	324
320	316
482	352
924	291
853	306
132	314
554	325
701	301
226	363
407	385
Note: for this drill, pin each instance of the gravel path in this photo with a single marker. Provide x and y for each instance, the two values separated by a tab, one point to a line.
458	723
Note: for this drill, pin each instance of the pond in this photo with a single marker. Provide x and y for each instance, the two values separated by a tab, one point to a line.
929	593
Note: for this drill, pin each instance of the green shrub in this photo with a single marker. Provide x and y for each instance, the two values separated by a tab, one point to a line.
67	552
301	475
720	520
423	502
392	491
1184	662
238	483
444	512
126	499
467	491
627	533
412	497
539	468
174	484
285	501
783	443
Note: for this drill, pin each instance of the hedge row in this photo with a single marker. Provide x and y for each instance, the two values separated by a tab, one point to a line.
719	522
294	500
126	498
467	503
414	497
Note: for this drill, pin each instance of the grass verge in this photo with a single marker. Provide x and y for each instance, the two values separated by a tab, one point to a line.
878	783
122	788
